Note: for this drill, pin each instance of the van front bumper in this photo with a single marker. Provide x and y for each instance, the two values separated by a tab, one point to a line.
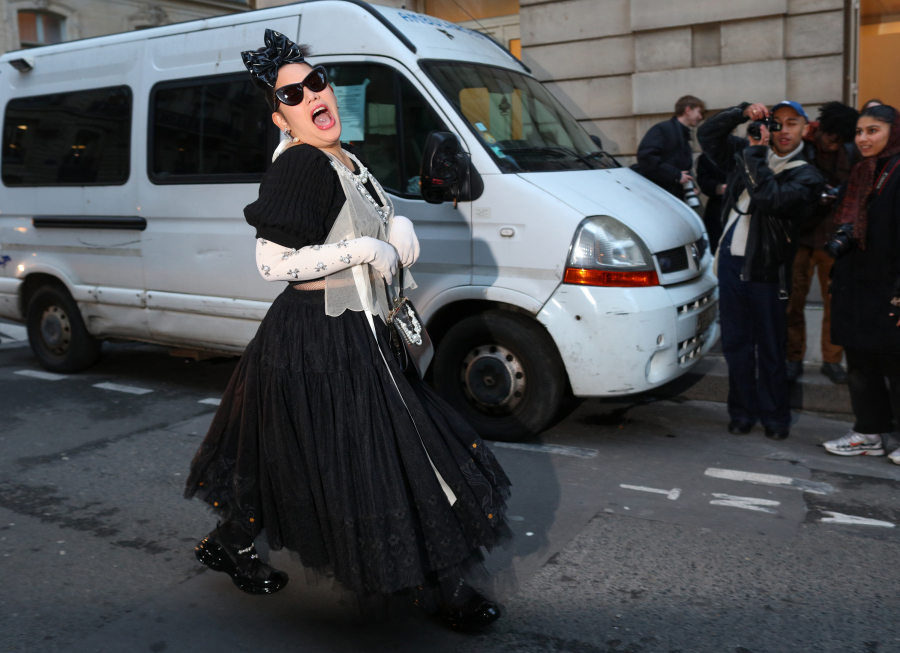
620	341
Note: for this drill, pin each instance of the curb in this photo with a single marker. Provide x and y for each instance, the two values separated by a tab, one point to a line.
708	381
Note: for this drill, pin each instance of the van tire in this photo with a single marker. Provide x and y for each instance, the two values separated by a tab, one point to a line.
502	372
56	331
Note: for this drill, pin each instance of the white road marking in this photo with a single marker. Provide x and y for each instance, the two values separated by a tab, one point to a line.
672	494
130	389
747	503
577	452
13	333
46	376
838	518
771	479
211	401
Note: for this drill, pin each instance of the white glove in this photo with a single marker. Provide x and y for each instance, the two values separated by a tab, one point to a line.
403	238
278	263
381	256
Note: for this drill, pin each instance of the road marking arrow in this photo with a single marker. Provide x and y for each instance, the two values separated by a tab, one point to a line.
46	376
577	452
130	389
747	503
771	479
838	518
672	494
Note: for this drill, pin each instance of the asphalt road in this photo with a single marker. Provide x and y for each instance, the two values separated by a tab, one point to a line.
641	526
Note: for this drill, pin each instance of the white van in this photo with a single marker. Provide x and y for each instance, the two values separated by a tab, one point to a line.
127	160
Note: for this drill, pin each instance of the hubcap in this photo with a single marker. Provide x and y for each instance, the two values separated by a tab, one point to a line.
493	378
56	330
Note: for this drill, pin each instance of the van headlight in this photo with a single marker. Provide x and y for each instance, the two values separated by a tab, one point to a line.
605	252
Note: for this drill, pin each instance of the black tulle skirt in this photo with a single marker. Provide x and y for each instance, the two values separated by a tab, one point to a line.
315	443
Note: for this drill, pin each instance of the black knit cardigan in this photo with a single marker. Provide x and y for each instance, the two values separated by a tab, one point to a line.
300	197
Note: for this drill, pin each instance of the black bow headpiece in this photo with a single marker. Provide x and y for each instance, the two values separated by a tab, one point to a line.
265	62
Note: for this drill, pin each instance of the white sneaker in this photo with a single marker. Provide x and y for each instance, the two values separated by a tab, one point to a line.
857	444
895	457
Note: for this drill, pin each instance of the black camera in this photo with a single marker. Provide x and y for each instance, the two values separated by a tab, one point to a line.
753	129
829	195
841	242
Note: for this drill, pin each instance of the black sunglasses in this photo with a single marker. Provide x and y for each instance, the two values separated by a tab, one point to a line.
292	94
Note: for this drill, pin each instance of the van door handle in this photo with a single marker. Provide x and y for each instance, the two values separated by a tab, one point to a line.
507	232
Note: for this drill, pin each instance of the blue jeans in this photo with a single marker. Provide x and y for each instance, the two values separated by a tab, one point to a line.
754	338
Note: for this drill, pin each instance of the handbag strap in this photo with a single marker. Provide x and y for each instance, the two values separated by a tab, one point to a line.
451	497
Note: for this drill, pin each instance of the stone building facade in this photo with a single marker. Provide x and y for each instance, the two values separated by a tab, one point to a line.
39	22
619	65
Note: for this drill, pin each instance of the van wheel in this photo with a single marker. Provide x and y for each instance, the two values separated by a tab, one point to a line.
57	334
502	371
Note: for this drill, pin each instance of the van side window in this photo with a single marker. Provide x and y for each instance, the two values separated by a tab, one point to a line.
385	117
209	130
81	138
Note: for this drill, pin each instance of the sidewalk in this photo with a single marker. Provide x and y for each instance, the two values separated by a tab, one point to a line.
708	380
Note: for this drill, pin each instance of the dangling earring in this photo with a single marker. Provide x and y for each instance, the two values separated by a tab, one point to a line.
287	132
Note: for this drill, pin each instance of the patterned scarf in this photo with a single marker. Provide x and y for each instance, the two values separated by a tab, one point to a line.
860	186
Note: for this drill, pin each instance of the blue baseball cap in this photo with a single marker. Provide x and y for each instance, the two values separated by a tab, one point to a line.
796	106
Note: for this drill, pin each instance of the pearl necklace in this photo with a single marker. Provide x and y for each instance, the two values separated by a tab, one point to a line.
360	180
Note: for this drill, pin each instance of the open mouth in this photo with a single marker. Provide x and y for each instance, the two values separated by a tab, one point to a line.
322	118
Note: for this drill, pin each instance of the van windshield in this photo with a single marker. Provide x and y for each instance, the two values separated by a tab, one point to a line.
520	123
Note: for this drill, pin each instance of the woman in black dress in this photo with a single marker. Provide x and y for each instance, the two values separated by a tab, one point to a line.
320	438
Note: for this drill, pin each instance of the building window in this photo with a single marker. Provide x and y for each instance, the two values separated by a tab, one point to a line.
40	28
879	51
209	130
68	139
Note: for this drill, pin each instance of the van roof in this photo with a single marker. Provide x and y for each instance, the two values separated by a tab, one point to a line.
408	34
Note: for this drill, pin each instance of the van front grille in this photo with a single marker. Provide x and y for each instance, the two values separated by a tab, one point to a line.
673	260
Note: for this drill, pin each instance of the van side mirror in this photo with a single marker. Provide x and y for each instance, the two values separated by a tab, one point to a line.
447	171
597	142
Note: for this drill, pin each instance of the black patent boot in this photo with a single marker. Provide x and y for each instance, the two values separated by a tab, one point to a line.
247	571
468	610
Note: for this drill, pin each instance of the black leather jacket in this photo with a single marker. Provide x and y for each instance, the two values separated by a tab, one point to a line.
778	203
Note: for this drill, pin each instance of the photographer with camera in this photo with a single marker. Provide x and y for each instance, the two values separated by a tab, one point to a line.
865	285
770	187
828	146
664	155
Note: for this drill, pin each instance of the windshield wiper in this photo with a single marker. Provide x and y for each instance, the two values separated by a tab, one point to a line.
547	149
600	153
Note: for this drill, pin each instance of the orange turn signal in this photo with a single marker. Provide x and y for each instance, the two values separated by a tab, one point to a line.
611	279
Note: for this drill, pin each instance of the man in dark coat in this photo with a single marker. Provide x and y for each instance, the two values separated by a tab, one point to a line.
768	191
664	155
829	146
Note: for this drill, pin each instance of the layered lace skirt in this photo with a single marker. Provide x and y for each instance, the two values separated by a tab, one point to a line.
316	443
